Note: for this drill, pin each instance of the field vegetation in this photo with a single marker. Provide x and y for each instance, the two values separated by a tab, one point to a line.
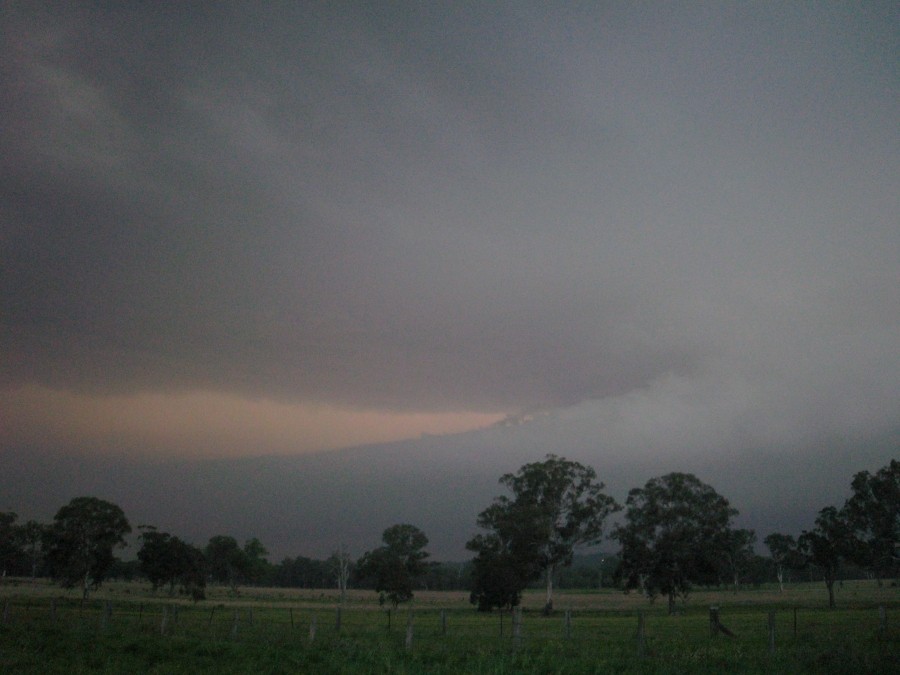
125	627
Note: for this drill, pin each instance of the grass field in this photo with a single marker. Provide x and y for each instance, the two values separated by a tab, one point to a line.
126	629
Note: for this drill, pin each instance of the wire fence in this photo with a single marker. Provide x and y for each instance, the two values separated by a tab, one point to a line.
635	634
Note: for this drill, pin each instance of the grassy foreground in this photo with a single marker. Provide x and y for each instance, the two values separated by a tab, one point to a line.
125	629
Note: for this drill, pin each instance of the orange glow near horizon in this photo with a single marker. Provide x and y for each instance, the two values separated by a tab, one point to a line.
206	424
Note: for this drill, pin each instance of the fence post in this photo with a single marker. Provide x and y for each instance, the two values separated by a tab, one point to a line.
6	611
312	629
107	613
211	613
517	628
53	610
772	632
164	620
795	623
443	622
715	626
568	623
641	645
409	631
234	625
882	619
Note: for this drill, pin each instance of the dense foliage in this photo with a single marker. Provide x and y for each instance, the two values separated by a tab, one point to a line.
81	540
676	533
555	506
395	566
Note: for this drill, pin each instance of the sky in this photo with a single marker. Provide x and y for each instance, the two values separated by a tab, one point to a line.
233	230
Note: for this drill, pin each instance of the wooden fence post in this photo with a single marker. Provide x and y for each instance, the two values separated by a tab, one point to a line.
882	620
234	625
517	628
795	623
772	632
164	621
568	623
715	625
211	613
443	622
312	629
641	645
409	631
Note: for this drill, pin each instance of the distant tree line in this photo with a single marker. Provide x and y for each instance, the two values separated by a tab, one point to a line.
676	533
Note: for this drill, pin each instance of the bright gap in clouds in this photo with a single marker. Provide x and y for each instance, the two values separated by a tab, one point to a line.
206	424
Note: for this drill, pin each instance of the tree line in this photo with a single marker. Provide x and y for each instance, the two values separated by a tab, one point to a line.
676	532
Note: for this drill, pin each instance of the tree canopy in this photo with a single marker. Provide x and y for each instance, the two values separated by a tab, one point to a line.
873	516
397	564
556	505
167	560
81	541
676	533
826	544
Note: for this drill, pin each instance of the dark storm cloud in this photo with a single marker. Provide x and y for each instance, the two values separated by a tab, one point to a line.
419	207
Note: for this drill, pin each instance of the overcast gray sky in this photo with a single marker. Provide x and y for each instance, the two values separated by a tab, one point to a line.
249	228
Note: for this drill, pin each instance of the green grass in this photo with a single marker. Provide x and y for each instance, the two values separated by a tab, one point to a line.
272	633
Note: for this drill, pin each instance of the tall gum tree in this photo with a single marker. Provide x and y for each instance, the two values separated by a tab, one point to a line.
556	505
675	534
81	541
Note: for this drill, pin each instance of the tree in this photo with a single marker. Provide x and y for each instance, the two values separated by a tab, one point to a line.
81	540
737	554
557	505
785	555
167	560
826	544
873	514
498	575
31	537
226	560
673	536
395	566
256	567
341	565
9	548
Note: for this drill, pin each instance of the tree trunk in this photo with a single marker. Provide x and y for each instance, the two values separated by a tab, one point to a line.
549	606
671	603
780	575
829	582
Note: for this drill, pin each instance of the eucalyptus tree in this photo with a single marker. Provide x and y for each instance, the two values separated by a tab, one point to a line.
397	564
827	544
873	515
167	560
81	539
556	505
785	554
676	533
